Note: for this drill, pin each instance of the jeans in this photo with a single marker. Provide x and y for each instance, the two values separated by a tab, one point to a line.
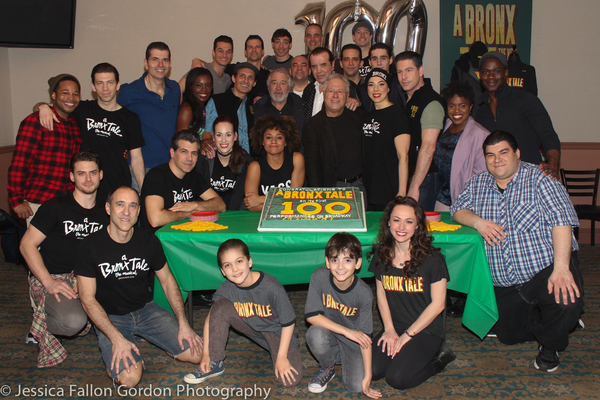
64	318
428	191
134	184
528	312
153	323
330	348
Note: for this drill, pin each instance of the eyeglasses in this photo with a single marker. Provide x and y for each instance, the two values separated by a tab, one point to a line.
338	92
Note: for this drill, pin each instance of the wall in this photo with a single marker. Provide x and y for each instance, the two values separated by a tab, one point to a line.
119	31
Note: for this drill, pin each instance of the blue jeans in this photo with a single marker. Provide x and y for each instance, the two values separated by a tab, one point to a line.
330	348
153	323
134	184
428	191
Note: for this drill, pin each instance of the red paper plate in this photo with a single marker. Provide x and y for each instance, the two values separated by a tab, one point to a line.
208	216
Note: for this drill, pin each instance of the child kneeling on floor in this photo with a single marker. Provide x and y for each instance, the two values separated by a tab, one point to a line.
339	307
256	305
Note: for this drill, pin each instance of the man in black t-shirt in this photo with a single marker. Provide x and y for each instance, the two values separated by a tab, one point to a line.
48	247
108	129
175	190
114	268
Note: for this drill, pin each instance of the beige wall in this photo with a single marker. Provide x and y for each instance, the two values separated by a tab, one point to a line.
118	32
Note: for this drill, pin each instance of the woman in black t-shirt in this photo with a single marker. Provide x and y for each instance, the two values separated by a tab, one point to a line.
411	277
276	140
227	170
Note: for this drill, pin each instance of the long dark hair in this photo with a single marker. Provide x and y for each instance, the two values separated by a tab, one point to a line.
238	156
188	97
420	243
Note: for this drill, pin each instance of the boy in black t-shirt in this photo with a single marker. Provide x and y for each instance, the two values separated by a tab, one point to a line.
339	307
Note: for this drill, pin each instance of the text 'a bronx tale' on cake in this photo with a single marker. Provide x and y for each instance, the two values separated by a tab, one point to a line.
313	209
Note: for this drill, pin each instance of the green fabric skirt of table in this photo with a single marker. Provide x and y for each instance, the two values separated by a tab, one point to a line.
292	257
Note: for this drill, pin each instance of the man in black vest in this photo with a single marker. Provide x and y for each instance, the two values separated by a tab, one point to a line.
234	103
426	116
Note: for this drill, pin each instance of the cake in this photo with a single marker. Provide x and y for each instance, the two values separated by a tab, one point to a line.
313	209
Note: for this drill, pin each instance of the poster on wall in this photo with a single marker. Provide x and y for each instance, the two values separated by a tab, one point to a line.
498	24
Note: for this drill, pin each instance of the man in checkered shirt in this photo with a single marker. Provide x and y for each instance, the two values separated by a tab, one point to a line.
526	219
39	169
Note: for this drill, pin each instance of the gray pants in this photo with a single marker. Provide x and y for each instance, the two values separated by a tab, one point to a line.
223	316
64	318
330	348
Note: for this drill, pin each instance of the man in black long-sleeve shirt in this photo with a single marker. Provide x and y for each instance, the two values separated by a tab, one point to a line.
517	112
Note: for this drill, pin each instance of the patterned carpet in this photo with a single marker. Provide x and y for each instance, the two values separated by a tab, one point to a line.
484	369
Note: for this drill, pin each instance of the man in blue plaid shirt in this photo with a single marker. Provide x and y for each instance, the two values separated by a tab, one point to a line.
526	219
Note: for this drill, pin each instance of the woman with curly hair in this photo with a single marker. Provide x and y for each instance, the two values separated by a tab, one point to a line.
411	277
279	164
198	89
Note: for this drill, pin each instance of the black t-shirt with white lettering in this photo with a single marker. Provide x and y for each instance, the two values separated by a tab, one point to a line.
223	181
122	270
160	181
65	223
109	134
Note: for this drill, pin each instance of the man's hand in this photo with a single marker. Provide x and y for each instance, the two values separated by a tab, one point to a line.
562	281
121	351
550	168
196	62
47	117
284	370
492	233
359	337
58	286
187	206
352	104
368	390
194	341
208	148
23	210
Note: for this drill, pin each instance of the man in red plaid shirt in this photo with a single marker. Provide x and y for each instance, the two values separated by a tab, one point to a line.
39	169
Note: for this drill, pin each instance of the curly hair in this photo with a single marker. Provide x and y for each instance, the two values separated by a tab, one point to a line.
459	88
420	243
285	125
188	97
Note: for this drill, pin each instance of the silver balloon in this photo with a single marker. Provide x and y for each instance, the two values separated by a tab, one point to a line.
341	16
389	17
313	13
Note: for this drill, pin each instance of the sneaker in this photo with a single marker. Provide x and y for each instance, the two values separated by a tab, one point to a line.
321	379
197	376
30	339
546	360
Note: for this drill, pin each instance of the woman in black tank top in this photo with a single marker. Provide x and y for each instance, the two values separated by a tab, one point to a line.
279	164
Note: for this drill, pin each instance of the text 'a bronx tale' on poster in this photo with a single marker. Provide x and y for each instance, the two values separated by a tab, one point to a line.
499	25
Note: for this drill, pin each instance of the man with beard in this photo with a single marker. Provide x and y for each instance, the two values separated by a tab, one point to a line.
39	169
280	101
48	247
299	73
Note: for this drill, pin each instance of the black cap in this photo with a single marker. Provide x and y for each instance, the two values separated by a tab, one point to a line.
239	66
494	54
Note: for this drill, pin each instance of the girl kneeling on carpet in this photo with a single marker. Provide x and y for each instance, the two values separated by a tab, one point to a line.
256	305
411	277
276	141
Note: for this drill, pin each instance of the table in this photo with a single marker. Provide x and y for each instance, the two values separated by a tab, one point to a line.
292	257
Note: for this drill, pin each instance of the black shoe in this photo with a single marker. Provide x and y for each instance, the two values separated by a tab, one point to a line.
546	360
457	309
443	357
202	299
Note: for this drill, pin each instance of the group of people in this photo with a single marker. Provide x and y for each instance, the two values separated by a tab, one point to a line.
225	135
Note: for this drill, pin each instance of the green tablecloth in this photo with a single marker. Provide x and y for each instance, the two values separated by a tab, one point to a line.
292	257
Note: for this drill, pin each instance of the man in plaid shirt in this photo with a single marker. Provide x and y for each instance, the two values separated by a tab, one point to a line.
39	169
526	219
